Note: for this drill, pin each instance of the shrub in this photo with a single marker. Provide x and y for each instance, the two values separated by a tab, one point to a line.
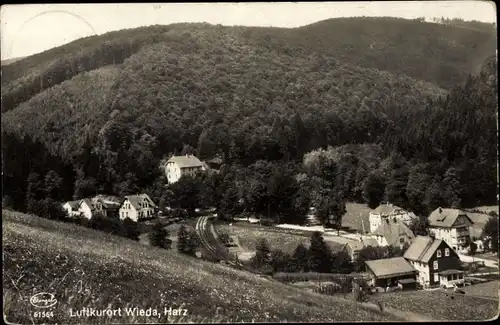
130	229
158	236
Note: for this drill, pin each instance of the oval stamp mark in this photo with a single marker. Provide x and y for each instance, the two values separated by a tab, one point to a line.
43	300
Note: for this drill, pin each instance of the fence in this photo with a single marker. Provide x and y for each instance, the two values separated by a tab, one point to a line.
314	276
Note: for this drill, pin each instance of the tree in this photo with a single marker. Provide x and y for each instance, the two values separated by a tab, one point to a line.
53	183
280	261
33	192
395	191
472	248
342	262
320	255
368	253
452	189
185	193
262	258
373	190
300	259
158	236
490	231
331	210
419	226
130	229
193	243
182	240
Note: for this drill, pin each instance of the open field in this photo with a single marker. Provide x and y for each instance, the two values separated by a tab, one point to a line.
355	213
86	268
248	237
440	305
486	289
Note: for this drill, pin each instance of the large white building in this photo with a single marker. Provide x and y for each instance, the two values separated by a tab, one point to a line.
452	226
387	210
178	166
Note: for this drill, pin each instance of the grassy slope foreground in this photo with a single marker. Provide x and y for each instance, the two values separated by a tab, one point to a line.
84	268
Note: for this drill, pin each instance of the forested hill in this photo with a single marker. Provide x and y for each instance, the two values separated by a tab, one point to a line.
437	53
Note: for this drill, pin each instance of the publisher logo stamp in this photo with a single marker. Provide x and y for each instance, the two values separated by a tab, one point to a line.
43	300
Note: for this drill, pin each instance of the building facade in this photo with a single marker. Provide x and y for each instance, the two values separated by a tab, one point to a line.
387	210
179	166
71	208
137	207
393	232
452	226
389	272
432	257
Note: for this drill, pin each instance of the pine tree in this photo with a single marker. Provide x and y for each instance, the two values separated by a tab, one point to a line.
182	240
159	236
300	259
373	190
33	192
320	255
130	229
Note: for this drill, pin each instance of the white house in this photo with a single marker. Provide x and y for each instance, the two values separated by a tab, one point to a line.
435	261
452	226
71	208
386	210
393	232
178	166
137	207
86	208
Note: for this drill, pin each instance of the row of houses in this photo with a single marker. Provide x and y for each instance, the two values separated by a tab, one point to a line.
134	207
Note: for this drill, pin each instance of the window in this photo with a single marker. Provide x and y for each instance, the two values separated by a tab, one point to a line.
436	277
446	252
438	253
401	240
435	265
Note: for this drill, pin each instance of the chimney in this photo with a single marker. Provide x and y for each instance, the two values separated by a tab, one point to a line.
440	210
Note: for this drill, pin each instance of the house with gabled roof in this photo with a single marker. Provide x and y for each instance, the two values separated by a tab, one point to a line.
436	262
388	272
137	207
393	232
452	226
353	247
388	210
71	208
86	208
107	205
178	166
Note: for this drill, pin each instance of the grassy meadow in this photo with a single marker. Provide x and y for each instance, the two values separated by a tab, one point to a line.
440	305
87	268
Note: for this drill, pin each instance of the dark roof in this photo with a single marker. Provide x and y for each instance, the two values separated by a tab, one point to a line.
73	204
135	199
391	230
356	245
88	202
386	209
109	202
446	217
186	161
390	267
450	272
422	248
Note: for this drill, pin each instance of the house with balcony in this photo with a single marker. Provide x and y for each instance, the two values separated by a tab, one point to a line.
387	210
178	166
436	262
452	226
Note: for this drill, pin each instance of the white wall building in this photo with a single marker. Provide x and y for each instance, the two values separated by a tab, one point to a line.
178	166
71	208
137	207
452	226
386	210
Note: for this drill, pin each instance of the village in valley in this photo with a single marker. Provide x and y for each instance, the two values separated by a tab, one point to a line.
444	252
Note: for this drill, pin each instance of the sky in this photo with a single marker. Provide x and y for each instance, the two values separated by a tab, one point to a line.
30	29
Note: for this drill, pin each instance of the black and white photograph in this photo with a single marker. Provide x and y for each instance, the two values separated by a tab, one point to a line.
249	162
